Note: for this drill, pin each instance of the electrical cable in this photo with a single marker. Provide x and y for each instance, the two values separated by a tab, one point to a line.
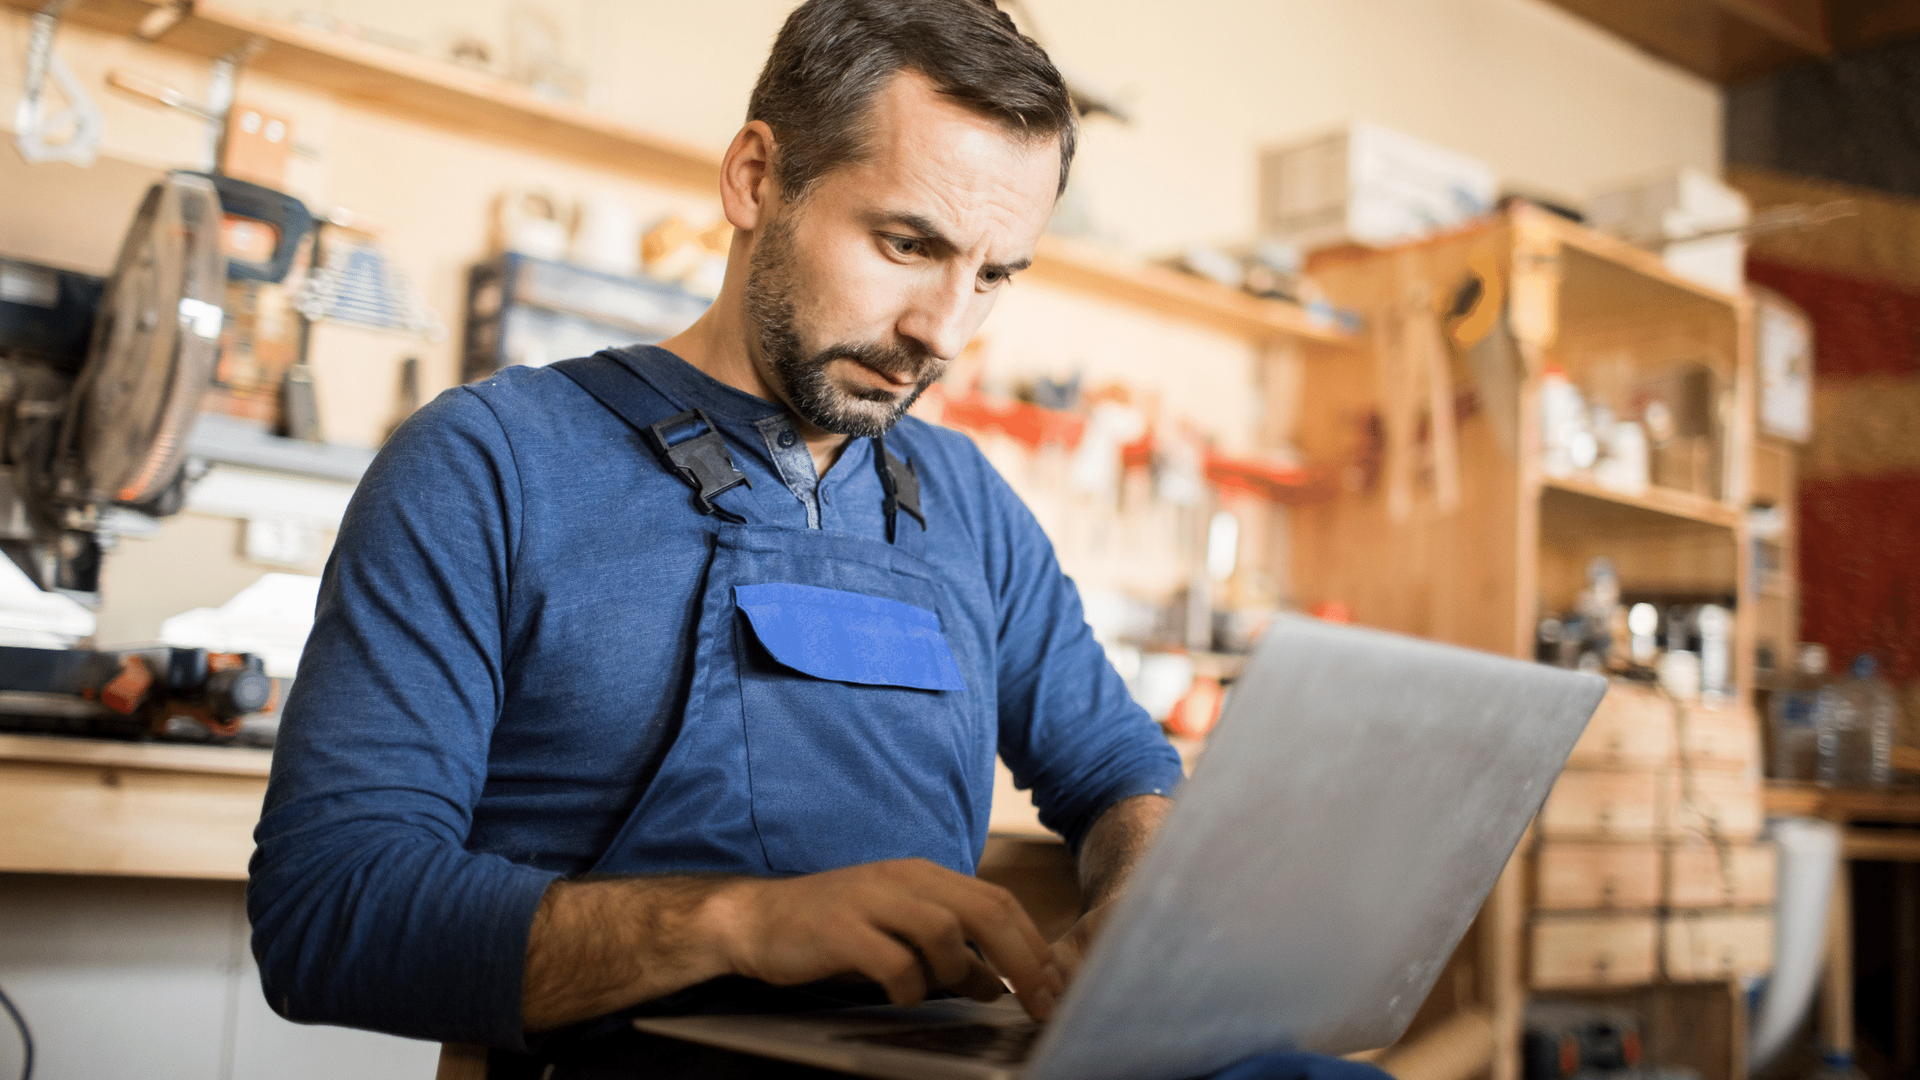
26	1037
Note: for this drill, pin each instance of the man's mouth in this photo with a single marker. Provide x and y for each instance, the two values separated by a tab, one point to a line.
901	381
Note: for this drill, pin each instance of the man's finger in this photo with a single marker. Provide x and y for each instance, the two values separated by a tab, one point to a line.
936	933
1013	945
979	983
894	966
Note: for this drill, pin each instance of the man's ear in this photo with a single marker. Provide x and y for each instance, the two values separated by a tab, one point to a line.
747	184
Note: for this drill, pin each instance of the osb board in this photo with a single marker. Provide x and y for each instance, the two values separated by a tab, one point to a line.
1454	575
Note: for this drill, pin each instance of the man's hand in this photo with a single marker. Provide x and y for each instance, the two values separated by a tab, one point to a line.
596	947
905	925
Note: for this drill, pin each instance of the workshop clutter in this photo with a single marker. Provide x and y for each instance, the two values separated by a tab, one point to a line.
1648	862
1163	530
1627	429
602	232
1694	221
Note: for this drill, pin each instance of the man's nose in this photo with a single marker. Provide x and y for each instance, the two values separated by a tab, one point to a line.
941	316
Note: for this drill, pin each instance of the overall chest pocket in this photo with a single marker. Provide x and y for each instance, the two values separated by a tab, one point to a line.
855	728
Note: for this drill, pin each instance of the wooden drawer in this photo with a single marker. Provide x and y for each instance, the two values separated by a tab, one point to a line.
1711	803
1633	727
1571	952
1574	876
1720	737
1720	945
1602	805
1698	877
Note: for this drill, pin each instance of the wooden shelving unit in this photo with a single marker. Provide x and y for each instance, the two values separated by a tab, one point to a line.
1461	536
483	106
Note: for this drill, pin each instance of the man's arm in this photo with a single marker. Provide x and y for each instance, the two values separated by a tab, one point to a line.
1115	844
1112	849
597	947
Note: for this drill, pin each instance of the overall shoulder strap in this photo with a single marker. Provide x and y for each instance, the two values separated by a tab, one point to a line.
688	443
901	486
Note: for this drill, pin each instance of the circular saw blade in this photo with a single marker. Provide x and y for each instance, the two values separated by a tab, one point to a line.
155	342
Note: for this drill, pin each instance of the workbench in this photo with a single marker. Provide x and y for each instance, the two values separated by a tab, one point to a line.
95	806
1850	809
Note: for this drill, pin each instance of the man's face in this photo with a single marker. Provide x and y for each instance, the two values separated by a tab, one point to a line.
865	290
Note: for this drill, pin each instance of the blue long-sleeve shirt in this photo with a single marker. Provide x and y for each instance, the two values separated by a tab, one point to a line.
502	646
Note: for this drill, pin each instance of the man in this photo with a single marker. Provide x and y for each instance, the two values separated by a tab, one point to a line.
660	679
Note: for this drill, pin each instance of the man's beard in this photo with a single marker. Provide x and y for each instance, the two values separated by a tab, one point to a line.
859	411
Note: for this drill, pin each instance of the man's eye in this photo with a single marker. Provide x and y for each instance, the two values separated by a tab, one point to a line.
991	278
907	245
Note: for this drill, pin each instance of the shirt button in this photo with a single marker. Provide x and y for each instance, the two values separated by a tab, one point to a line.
824	497
786	440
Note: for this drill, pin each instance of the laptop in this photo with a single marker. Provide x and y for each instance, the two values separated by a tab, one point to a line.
1358	800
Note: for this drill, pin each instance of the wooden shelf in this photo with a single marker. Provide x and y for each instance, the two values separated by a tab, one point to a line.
111	753
1803	799
1074	265
487	107
1595	507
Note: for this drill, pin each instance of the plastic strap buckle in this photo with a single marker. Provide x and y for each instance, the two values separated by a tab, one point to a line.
900	484
693	449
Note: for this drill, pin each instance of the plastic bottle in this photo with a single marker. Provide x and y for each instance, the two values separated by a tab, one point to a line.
1837	1065
1796	754
1853	720
1564	435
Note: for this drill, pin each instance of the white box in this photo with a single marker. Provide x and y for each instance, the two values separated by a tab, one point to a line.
1676	205
1718	262
1367	184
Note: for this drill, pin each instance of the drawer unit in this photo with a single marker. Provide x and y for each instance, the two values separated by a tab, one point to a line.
1602	805
1725	736
1572	952
1570	875
1708	803
1701	946
1632	728
1701	875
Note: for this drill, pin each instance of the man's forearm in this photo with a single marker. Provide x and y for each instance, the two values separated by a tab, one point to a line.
599	946
1115	844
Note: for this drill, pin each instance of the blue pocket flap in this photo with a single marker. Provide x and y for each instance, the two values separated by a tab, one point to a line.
850	637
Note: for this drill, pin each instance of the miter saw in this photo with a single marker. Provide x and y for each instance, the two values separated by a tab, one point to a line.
100	384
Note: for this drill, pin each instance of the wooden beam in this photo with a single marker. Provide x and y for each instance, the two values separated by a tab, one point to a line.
1726	41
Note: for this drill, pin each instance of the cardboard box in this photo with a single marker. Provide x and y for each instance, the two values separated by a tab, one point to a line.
1367	184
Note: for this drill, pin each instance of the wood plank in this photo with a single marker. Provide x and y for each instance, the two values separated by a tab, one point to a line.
1896	804
169	757
1726	41
89	819
1575	876
1072	264
1596	507
1882	845
1571	952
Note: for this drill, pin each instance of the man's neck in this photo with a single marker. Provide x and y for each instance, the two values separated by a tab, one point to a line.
716	344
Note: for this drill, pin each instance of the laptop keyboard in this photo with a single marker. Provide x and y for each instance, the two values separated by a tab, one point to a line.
1002	1044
